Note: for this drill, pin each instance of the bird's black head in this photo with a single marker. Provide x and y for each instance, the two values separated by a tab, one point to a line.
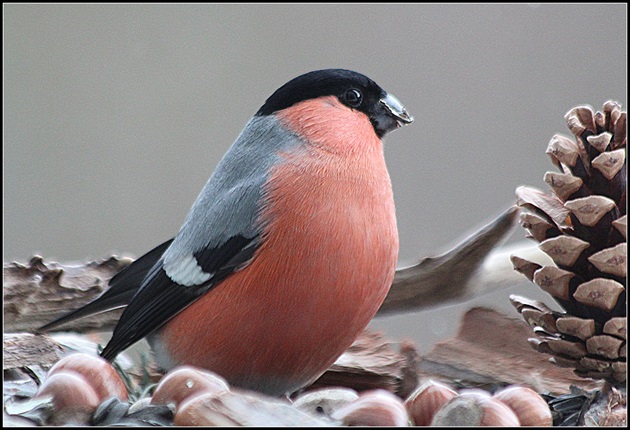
353	89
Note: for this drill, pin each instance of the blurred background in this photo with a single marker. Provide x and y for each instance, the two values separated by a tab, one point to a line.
115	115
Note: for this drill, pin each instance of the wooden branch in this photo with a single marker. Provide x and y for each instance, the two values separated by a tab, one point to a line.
451	276
38	292
25	349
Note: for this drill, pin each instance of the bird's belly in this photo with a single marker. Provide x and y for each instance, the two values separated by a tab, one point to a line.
273	329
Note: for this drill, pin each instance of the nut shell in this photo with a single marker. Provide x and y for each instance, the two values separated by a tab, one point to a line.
97	371
324	401
197	410
424	402
529	407
73	398
373	408
185	382
242	408
473	408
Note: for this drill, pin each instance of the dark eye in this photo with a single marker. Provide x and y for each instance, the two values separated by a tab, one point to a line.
354	97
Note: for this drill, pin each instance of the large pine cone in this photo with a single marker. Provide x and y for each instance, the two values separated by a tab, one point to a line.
582	227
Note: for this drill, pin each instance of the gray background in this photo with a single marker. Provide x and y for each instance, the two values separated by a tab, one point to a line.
115	115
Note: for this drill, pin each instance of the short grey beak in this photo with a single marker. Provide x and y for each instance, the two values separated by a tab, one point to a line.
395	107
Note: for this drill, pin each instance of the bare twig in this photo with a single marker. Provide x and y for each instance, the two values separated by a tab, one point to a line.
38	292
25	349
438	280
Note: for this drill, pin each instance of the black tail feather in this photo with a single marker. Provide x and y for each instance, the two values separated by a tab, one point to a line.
122	287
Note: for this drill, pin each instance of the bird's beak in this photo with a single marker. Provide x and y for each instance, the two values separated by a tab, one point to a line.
397	110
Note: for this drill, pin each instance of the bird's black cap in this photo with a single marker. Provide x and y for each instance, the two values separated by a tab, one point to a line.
353	89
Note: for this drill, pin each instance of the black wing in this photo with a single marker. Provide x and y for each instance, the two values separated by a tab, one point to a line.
160	298
122	287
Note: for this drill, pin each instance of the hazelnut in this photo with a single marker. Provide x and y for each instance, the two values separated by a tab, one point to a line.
373	408
424	402
475	408
529	407
74	399
199	410
97	371
184	382
324	401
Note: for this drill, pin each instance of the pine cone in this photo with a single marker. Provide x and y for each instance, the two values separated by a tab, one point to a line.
582	227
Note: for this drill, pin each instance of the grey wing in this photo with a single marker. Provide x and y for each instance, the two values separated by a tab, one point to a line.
220	235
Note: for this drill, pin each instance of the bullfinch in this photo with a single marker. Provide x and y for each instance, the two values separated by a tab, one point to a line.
288	251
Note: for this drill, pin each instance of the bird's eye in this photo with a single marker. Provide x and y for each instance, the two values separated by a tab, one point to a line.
354	97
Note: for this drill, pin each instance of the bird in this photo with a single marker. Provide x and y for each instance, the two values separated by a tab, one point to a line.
286	254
